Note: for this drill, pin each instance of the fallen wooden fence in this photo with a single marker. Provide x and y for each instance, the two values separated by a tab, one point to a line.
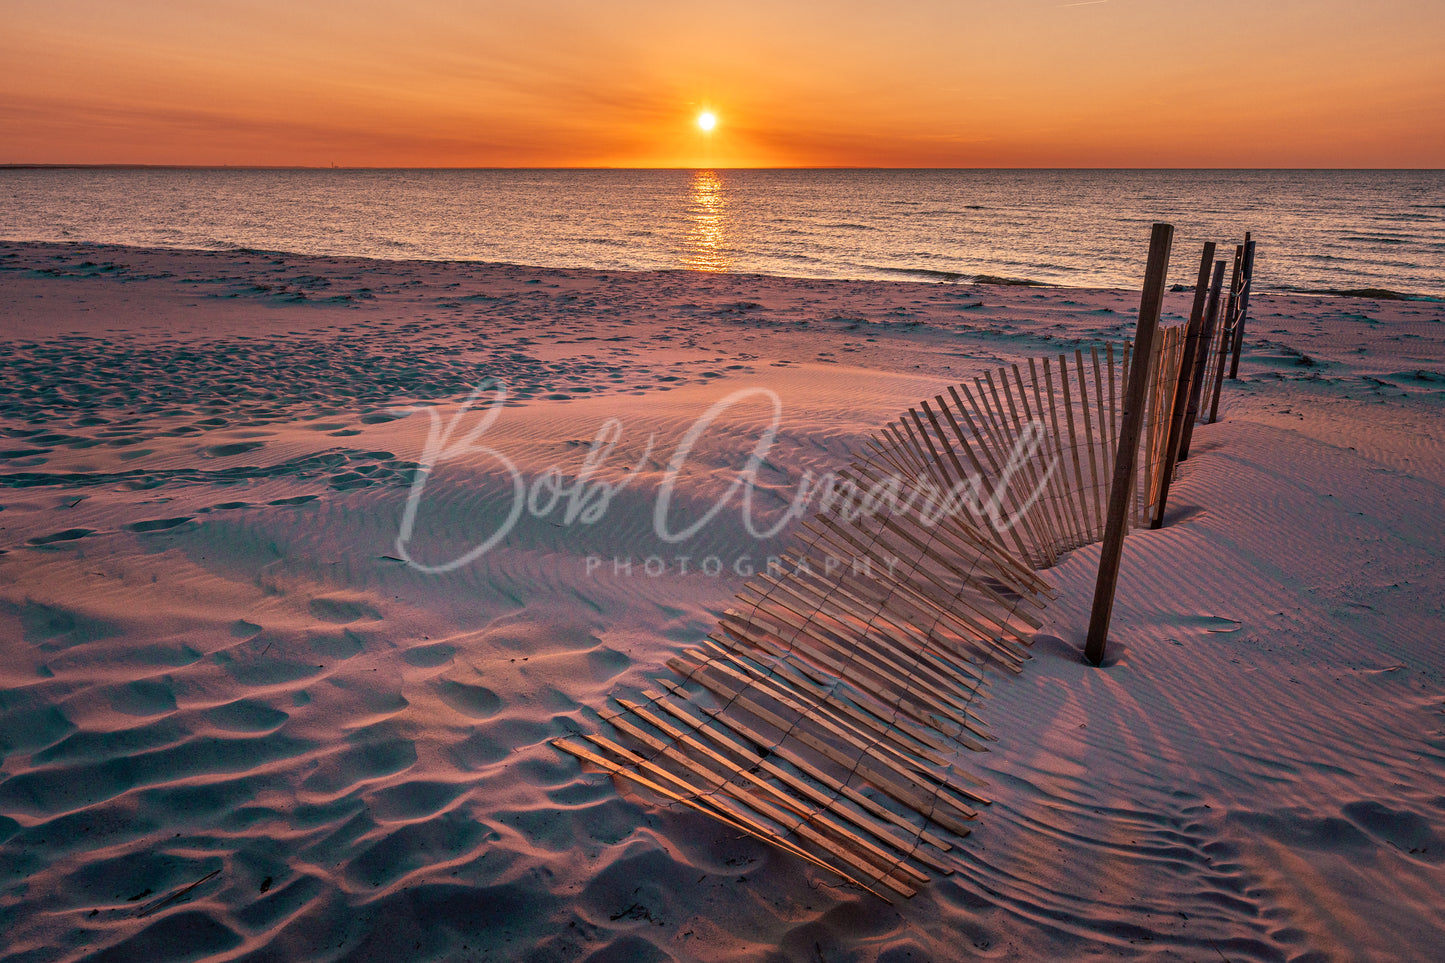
828	712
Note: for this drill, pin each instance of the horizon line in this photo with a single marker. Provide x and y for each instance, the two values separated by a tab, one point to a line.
702	167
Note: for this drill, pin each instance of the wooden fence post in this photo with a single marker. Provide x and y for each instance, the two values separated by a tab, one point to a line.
1201	359
1160	240
1226	337
1243	306
1183	384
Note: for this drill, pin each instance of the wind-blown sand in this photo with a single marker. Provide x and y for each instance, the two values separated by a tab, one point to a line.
236	725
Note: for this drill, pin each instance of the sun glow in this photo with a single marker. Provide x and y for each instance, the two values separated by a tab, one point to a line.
707	120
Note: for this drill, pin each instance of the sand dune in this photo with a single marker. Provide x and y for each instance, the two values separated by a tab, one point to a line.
236	724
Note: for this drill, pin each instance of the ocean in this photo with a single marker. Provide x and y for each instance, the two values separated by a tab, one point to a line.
1318	231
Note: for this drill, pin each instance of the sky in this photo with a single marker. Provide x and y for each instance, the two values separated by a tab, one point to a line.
582	83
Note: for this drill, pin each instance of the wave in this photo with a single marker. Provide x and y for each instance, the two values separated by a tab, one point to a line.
221	244
1009	282
954	277
1379	294
925	273
1376	240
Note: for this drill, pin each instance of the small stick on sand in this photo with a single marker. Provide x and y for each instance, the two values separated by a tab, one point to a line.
162	903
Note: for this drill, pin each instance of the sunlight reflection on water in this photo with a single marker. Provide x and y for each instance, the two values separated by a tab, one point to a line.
706	248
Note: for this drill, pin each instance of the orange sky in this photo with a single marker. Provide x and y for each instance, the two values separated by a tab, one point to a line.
936	83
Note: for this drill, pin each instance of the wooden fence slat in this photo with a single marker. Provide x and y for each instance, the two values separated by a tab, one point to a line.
1149	306
1226	335
675	707
1244	289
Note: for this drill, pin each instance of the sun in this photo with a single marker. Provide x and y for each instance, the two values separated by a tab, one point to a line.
707	120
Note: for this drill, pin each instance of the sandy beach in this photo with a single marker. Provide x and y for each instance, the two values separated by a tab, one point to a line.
240	720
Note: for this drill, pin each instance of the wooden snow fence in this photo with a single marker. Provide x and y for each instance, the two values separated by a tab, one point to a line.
828	712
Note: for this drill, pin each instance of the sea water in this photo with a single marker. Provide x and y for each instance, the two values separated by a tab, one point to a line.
1317	230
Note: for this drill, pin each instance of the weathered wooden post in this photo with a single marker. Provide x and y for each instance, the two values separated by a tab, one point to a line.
1201	359
1243	306
1130	423
1226	337
1183	383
